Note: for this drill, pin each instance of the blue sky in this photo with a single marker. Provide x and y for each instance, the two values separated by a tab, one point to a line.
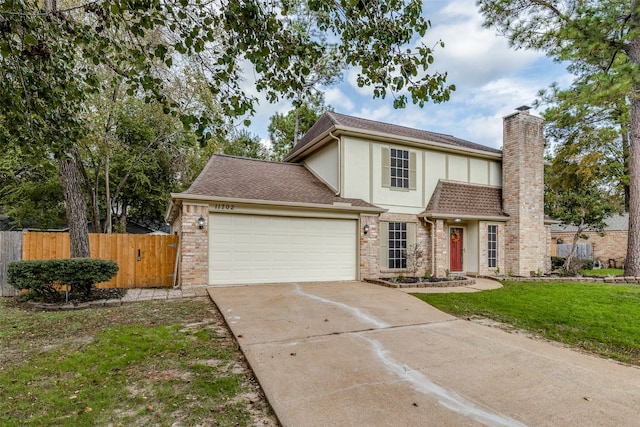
491	78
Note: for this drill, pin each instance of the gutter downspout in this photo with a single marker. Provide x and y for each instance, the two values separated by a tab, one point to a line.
339	163
433	245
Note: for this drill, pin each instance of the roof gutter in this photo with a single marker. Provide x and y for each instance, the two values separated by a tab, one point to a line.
339	141
347	207
463	217
389	138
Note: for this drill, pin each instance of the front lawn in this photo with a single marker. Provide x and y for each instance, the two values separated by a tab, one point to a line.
150	363
603	272
603	319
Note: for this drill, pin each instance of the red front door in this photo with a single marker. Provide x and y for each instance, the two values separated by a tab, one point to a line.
455	249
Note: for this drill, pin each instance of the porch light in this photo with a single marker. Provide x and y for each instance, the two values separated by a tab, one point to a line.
201	222
457	220
366	228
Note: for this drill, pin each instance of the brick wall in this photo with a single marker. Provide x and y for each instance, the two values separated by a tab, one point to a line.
369	248
523	195
194	246
613	245
483	267
370	267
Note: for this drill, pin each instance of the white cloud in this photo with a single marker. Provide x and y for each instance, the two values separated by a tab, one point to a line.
338	100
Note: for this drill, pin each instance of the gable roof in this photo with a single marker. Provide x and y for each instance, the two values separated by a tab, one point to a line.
332	122
242	179
616	222
464	200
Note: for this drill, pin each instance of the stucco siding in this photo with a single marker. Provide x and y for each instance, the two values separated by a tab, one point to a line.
472	248
357	170
436	169
325	165
478	171
495	173
458	168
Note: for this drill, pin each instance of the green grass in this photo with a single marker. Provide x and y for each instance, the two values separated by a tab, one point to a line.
603	272
153	363
602	319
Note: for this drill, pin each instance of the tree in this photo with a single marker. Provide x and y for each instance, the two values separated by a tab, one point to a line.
601	41
286	129
576	193
598	131
244	144
50	56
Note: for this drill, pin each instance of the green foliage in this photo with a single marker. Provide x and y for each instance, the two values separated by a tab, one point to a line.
576	194
598	318
244	144
286	129
43	277
603	272
599	41
30	190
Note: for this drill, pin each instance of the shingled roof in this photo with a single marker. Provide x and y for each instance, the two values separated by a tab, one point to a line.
459	199
259	180
334	121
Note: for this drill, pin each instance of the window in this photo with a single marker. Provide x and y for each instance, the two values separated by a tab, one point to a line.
399	168
492	241
397	244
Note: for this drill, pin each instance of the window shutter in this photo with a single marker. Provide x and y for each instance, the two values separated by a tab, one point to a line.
411	233
412	170
383	236
386	167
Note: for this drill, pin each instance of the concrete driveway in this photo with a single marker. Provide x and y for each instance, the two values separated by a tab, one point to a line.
356	354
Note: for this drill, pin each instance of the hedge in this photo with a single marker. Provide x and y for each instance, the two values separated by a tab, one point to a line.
44	277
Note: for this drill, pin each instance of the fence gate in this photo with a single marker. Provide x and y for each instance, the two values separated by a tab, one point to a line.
10	250
143	260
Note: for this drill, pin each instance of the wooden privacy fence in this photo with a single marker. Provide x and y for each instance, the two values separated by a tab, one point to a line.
143	260
10	250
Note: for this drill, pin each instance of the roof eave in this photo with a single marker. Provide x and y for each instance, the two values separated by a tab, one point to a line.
385	137
320	206
437	215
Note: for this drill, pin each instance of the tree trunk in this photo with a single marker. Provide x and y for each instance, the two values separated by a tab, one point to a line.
625	155
632	263
76	208
572	253
107	191
92	191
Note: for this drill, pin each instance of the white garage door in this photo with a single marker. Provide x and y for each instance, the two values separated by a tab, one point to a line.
268	249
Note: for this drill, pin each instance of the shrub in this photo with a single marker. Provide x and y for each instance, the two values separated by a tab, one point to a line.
557	262
44	277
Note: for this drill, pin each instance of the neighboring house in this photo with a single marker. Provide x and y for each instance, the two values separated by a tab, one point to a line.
353	195
609	249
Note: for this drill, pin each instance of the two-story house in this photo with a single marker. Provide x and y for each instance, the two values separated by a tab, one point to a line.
355	196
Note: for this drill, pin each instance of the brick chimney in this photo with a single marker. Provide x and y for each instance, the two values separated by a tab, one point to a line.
523	193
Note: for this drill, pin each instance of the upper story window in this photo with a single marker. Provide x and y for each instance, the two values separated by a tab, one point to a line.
398	168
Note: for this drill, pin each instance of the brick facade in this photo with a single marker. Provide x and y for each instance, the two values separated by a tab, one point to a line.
611	246
194	245
369	247
523	194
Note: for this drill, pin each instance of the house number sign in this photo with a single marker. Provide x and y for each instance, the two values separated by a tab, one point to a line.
224	207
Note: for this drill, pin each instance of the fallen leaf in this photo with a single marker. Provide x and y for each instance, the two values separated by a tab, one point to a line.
149	407
587	398
292	354
87	409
